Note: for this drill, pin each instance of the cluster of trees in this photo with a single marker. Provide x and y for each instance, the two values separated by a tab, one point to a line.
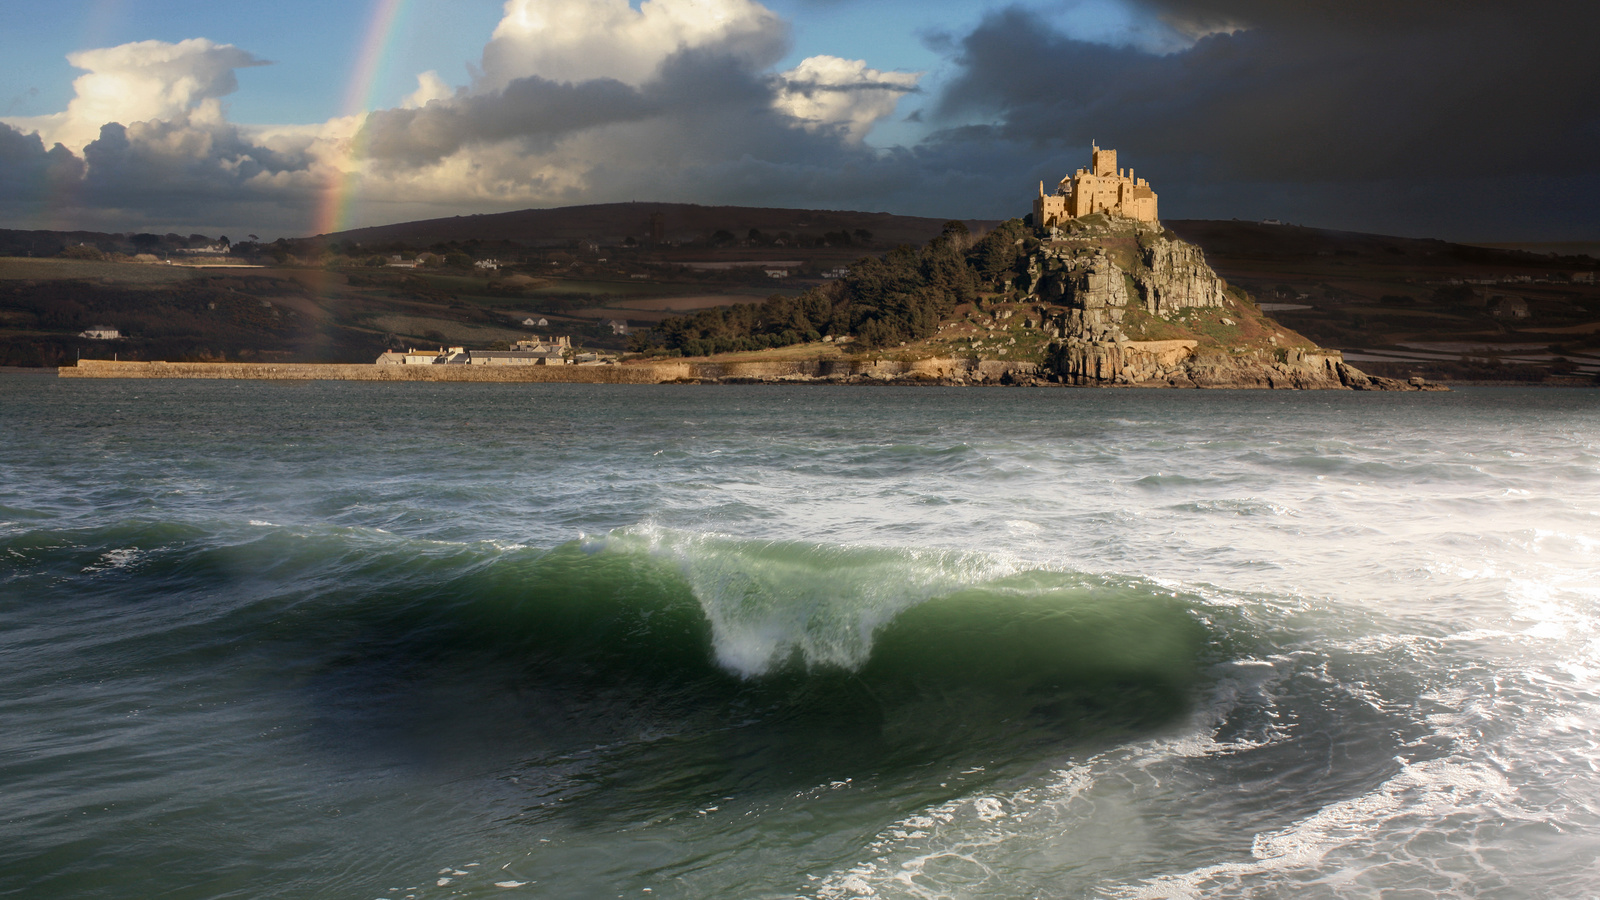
900	296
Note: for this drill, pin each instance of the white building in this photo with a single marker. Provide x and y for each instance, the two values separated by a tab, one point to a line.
101	333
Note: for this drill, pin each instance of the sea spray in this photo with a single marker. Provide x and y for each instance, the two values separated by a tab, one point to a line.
770	603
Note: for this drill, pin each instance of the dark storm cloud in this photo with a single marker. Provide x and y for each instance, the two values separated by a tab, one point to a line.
150	175
175	165
716	137
704	128
29	173
1419	105
533	108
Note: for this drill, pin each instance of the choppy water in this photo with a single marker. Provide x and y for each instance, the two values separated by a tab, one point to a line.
365	640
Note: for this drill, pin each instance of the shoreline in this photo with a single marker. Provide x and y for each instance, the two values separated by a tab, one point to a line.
798	371
934	372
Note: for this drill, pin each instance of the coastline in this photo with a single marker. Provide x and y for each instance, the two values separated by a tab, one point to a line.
832	371
934	372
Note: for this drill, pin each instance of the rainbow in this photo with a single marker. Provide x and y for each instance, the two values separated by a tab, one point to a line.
334	207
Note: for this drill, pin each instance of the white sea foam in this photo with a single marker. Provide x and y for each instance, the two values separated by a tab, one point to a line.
769	601
1429	791
111	560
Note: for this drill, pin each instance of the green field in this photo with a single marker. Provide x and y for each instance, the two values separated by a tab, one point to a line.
17	268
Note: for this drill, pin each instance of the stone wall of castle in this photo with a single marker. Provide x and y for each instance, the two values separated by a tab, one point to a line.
1100	188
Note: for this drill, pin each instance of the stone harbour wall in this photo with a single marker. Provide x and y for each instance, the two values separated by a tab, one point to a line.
653	373
955	370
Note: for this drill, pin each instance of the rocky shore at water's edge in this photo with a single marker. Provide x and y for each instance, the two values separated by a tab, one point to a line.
1333	374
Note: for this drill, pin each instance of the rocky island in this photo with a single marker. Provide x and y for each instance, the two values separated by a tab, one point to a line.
1090	289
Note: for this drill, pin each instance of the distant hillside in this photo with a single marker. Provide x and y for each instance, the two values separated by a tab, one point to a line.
1402	306
613	223
1397	306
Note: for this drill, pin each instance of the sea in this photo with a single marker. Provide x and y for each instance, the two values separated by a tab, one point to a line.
417	641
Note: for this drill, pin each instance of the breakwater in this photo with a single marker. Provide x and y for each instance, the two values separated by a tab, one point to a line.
868	370
631	374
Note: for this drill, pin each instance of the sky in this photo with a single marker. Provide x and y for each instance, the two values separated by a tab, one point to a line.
1458	119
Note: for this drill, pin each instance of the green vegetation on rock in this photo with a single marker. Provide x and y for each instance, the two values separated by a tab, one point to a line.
899	297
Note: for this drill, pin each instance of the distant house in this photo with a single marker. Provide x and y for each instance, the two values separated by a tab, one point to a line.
1508	308
527	354
101	333
490	265
777	273
418	357
399	262
557	343
531	322
515	358
840	272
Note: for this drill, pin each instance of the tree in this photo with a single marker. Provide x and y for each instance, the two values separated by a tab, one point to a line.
998	255
83	251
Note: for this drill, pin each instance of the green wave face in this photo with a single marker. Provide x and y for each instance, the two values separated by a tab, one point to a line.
1039	655
791	661
678	663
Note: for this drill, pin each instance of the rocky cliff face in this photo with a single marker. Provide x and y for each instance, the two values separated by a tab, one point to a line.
1174	276
1103	277
1089	289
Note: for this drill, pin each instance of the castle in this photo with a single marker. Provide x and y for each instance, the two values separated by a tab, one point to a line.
1101	188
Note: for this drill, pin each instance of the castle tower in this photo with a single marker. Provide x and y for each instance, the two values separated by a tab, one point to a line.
1105	162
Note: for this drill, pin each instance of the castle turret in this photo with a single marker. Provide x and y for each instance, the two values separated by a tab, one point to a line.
1105	162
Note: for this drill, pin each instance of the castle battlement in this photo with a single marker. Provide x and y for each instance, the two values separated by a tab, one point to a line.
1100	188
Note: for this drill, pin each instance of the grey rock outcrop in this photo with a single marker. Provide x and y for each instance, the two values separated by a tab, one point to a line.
1092	291
1174	275
1084	298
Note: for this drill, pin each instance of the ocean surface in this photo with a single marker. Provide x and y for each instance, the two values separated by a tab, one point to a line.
345	640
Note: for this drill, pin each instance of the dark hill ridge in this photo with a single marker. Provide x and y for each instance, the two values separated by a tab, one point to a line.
612	223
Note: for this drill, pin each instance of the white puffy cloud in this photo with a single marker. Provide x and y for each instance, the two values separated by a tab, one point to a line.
579	40
829	92
430	87
143	81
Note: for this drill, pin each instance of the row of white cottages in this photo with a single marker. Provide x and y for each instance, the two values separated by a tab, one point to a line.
461	356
